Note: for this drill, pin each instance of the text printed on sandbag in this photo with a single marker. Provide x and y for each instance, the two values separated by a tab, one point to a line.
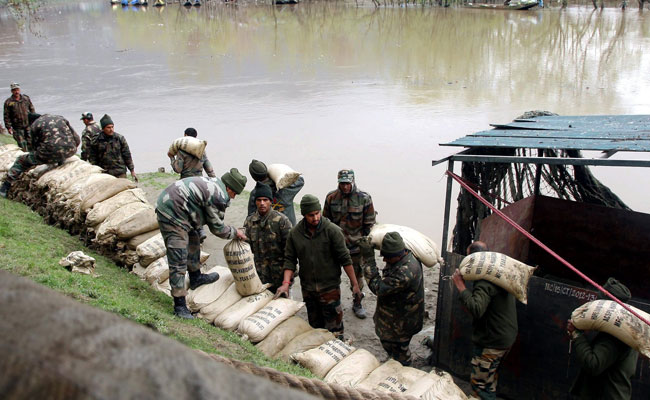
569	292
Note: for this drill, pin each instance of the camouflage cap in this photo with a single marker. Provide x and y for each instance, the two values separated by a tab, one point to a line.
346	176
14	85
617	289
87	115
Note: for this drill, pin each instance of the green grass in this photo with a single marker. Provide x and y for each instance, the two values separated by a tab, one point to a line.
31	248
7	139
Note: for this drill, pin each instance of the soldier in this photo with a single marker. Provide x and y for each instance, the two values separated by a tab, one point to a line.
187	165
352	210
319	247
267	231
53	140
110	151
90	132
400	295
282	200
184	207
15	114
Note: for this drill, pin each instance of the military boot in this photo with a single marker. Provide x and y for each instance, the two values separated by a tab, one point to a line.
180	308
197	279
4	189
358	309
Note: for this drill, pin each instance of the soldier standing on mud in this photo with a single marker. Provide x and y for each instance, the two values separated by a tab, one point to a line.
352	210
15	116
188	165
53	140
282	200
319	247
400	295
90	132
111	152
267	231
184	207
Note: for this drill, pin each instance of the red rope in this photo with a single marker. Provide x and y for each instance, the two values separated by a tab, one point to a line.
543	246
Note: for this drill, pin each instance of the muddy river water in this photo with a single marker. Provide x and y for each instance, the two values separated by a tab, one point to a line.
328	85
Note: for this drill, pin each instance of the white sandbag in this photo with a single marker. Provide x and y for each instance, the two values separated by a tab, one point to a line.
8	158
157	271
278	338
93	170
51	177
257	326
188	144
151	250
230	319
137	240
108	228
423	248
205	295
304	342
8	147
164	287
103	209
505	272
608	316
140	222
138	270
74	189
283	175
436	385
224	302
204	257
353	369
103	192
391	376
240	260
95	183
79	262
323	358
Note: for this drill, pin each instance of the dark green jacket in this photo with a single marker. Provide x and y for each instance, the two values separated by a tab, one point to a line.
267	236
15	112
282	199
607	365
87	136
353	212
495	315
111	153
320	256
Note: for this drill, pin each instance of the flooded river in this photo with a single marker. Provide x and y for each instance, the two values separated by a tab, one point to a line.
328	85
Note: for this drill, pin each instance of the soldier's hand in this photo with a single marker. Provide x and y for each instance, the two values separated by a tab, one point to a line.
282	291
365	245
356	292
241	234
458	280
135	177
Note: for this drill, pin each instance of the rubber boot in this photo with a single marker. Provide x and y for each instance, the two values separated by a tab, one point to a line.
197	279
358	309
202	235
180	308
4	189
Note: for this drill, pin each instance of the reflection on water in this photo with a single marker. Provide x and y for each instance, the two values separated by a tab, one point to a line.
327	85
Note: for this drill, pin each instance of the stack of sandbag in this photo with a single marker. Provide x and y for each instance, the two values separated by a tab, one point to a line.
151	250
205	295
283	175
279	337
303	342
106	233
257	326
505	272
391	376
229	297
8	155
436	385
423	248
322	359
231	317
188	144
240	260
353	369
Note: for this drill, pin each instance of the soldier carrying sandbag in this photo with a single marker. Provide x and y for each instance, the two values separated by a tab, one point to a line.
182	209
282	199
110	151
53	140
187	164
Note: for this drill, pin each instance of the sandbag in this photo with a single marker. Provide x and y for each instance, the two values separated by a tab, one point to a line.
353	369
79	262
203	257
257	326
240	260
164	287
278	338
137	240
505	272
323	358
304	342
188	144
140	222
391	376
72	189
224	302
436	385
93	170
423	248
108	228
103	192
8	158
205	295
151	250
283	175
138	270
610	317
230	319
103	209
51	177
157	271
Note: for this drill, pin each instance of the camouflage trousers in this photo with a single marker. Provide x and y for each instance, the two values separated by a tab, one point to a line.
358	270
324	310
398	351
484	376
183	253
28	161
21	136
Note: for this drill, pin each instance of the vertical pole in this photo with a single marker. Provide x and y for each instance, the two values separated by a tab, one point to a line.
445	224
538	173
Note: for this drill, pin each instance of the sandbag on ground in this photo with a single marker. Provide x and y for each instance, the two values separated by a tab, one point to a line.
103	209
304	342
101	193
139	270
207	294
230	319
353	369
137	240
157	271
140	222
503	271
423	248
106	230
240	260
151	250
323	358
278	338
283	175
52	175
188	144
257	326
224	302
436	385
391	376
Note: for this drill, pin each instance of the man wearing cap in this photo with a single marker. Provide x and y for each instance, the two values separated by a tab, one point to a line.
319	247
90	132
17	106
110	151
267	231
184	207
53	140
282	200
187	164
400	295
352	210
607	365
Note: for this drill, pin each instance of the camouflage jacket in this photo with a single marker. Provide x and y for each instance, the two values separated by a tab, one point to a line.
400	298
187	165
89	133
282	199
193	202
354	213
15	112
267	236
52	135
111	153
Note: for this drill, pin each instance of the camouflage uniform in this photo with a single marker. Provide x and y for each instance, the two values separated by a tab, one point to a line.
182	208
53	140
89	133
187	165
112	154
267	236
400	303
15	117
282	199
